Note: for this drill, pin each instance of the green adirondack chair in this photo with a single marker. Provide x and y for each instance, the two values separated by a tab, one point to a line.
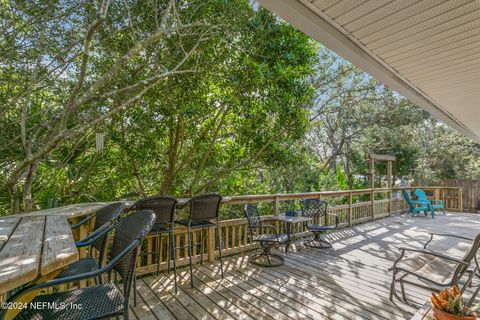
416	206
434	204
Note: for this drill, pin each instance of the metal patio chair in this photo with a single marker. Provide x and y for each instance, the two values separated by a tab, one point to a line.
164	209
102	300
435	270
204	212
317	210
104	223
266	240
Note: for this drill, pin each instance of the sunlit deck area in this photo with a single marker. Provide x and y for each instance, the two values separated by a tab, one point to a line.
349	281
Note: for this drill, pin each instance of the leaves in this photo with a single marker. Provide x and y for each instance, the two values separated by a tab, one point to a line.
450	300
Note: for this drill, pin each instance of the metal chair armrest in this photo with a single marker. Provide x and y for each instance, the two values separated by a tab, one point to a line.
94	236
94	233
444	235
83	221
435	254
337	219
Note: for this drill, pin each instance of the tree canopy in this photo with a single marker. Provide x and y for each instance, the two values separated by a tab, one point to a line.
193	96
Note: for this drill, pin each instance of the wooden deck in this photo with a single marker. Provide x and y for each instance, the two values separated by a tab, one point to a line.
350	281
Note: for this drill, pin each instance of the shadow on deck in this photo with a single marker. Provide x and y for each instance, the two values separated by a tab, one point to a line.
349	281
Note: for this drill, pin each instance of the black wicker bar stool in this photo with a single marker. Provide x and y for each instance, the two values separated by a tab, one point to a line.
204	212
104	223
164	209
102	300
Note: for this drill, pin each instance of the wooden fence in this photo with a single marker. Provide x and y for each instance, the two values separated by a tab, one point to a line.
351	206
471	192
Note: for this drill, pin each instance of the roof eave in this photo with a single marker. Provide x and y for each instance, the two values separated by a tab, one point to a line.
324	30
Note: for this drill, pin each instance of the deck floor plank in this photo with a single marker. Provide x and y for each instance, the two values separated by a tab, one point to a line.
349	281
321	307
244	306
216	298
195	295
247	296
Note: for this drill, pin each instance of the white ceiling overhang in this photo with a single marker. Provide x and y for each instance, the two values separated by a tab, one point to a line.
428	51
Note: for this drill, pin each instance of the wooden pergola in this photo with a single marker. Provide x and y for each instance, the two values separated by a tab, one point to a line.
372	157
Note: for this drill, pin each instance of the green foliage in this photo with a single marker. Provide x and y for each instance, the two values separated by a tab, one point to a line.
222	97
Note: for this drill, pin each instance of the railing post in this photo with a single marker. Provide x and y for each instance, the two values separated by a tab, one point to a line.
389	182
350	209
276	207
442	197
460	200
436	194
211	243
82	233
372	200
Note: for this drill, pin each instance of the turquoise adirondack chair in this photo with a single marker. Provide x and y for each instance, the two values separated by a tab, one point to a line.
434	204
415	206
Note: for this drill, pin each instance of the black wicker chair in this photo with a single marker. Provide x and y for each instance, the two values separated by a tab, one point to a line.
102	300
433	270
317	209
104	222
164	209
204	212
266	258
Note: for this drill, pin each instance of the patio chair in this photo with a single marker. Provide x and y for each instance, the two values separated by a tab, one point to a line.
104	223
164	209
266	240
102	300
204	212
415	206
434	204
317	209
435	270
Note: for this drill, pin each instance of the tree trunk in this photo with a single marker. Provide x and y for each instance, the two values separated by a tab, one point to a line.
27	189
14	200
170	171
347	166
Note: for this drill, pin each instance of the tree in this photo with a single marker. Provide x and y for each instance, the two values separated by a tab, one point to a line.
179	87
59	83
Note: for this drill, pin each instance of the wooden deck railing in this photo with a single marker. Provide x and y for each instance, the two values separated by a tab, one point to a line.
352	207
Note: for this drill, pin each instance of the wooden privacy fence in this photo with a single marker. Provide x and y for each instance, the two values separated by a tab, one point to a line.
471	192
351	206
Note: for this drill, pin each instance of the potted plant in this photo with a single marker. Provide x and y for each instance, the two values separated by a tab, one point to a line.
449	305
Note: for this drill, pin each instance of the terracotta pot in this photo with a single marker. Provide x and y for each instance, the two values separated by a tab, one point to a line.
442	315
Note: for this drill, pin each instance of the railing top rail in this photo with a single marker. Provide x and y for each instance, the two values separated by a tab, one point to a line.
82	209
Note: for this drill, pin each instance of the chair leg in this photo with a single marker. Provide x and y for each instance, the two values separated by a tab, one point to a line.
474	295
126	309
135	288
393	291
318	242
190	256
220	249
402	288
267	255
172	249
